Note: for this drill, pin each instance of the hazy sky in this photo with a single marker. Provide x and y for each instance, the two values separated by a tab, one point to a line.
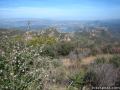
61	9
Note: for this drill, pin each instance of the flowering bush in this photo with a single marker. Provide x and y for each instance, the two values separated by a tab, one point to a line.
23	68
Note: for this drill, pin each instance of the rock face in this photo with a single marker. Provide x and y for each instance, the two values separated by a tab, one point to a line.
28	35
67	38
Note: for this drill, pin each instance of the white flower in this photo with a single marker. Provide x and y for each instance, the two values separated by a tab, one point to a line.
46	75
41	50
23	70
6	87
1	71
11	74
35	54
6	36
36	70
15	76
20	67
14	57
3	52
54	80
13	61
19	61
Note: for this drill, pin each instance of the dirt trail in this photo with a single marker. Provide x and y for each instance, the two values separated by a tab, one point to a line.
85	61
88	60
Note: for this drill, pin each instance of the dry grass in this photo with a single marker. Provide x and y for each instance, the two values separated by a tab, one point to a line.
58	87
88	60
74	66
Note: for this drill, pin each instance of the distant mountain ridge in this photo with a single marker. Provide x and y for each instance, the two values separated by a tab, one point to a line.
64	26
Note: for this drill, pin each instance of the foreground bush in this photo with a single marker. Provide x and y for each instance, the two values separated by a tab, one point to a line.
25	69
78	80
102	75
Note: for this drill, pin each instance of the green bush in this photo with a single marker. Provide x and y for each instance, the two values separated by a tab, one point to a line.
36	41
78	79
49	50
90	77
58	49
100	61
64	48
115	60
